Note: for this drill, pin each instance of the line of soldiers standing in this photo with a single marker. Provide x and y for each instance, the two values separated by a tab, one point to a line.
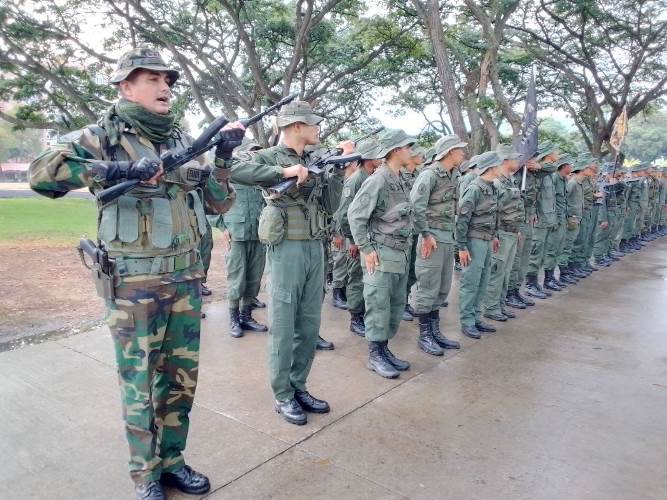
393	225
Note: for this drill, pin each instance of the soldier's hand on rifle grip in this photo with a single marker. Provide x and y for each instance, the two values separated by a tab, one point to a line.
299	171
533	165
231	136
346	146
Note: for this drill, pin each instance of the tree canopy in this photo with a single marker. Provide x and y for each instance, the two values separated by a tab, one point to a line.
463	64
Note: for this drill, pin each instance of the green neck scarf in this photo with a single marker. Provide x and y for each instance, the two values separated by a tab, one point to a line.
155	127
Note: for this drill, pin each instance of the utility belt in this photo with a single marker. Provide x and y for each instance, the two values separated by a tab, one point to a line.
508	227
480	235
444	226
390	241
161	264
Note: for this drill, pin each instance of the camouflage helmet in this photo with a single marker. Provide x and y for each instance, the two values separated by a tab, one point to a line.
391	139
297	112
445	145
545	150
369	149
507	152
488	160
142	58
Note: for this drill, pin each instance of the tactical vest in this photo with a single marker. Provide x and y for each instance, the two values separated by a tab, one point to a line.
441	208
589	193
303	214
547	201
483	220
152	229
393	228
511	212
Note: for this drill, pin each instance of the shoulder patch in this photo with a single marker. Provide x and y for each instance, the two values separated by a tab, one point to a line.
347	191
421	189
364	199
194	174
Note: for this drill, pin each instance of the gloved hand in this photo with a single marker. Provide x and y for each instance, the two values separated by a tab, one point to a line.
143	170
229	139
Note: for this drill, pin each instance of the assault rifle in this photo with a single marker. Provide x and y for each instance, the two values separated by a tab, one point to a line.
332	157
171	160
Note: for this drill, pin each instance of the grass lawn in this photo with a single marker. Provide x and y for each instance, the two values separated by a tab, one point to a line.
59	221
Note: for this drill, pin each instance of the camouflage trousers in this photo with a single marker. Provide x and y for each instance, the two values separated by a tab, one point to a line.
155	331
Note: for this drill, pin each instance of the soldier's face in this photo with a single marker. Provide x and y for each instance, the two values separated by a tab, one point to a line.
310	134
458	155
150	89
551	157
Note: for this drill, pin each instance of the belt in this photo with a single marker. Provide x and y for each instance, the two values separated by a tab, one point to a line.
443	226
510	228
392	242
161	264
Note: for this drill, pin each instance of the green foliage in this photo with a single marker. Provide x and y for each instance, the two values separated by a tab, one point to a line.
646	136
39	218
18	145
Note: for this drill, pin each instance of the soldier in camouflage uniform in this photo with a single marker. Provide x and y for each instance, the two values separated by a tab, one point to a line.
477	239
575	211
580	249
434	199
556	240
547	222
511	215
293	225
409	174
524	246
369	149
246	255
381	221
605	208
153	233
630	243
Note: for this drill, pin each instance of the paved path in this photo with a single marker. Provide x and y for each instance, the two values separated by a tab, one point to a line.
569	401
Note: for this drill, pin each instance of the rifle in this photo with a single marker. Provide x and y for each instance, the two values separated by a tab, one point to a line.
332	157
101	267
171	160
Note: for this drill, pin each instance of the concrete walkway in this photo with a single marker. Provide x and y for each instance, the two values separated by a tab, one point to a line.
568	401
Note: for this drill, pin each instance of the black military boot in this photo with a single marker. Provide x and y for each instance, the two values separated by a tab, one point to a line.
578	271
528	302
378	363
602	262
337	299
514	301
205	291
426	342
151	490
533	288
257	304
291	411
186	480
590	268
399	364
357	324
235	329
437	335
507	312
550	281
566	276
324	345
247	321
309	403
408	313
558	280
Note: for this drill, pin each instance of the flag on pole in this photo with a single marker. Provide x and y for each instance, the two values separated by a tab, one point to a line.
619	131
526	142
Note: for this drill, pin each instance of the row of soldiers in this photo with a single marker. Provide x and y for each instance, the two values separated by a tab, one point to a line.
403	218
385	210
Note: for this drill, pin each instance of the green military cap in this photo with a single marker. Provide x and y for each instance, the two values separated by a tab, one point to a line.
369	149
392	139
430	152
445	145
142	58
248	145
507	152
564	160
297	112
545	150
579	165
417	150
468	164
488	160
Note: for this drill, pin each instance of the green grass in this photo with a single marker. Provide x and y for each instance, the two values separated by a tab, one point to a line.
63	220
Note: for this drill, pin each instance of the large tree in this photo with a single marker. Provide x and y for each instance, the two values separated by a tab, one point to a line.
234	55
597	57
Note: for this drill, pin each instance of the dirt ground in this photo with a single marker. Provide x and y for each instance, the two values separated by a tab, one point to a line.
45	291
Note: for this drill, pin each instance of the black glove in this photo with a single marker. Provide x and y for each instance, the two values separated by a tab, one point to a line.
143	170
229	139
